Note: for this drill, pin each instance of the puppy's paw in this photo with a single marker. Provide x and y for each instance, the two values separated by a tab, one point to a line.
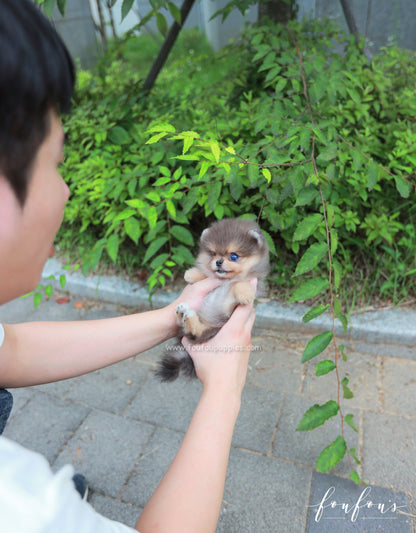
193	275
183	313
244	293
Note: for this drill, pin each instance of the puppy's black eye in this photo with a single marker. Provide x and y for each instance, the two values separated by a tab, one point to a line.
233	257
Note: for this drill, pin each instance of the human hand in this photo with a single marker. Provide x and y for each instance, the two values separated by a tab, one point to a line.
221	363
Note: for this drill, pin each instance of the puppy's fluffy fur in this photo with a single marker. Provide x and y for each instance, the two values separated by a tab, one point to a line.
234	251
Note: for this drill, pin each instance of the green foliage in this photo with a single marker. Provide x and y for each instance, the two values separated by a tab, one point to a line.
317	345
332	455
317	415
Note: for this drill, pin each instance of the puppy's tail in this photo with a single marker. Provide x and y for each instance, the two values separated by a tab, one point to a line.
175	362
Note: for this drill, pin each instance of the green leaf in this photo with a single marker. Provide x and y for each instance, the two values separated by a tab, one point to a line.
213	194
317	345
163	126
162	25
150	214
187	143
170	208
404	187
317	415
337	268
324	367
190	200
119	135
204	167
219	211
154	247
331	455
156	138
215	149
132	228
95	256
175	12
182	254
48	7
355	477
310	289
126	213
159	260
182	234
49	291
62	280
341	349
62	7
307	226
236	187
327	155
112	247
306	196
270	242
349	420
311	258
161	181
315	312
37	298
267	174
344	321
334	241
153	196
348	394
372	175
125	8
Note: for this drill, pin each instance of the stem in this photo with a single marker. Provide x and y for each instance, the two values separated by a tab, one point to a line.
167	46
328	236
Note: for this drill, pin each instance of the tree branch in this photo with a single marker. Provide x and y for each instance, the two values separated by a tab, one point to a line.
167	46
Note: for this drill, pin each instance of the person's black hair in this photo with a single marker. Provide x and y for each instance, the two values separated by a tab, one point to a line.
36	75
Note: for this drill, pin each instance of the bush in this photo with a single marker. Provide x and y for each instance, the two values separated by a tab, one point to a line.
255	147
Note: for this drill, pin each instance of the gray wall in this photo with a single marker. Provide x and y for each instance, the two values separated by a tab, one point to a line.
380	21
78	31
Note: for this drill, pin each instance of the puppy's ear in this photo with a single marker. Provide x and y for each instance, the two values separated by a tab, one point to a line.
204	234
257	235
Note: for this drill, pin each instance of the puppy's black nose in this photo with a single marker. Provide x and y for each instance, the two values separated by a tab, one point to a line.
219	262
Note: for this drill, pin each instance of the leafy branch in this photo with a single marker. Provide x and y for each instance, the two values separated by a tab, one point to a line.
331	455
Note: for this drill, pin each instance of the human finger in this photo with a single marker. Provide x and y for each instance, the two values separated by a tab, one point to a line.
241	315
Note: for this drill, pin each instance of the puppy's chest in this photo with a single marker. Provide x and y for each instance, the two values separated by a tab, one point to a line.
218	304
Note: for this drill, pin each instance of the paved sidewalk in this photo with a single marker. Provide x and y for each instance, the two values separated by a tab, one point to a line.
121	428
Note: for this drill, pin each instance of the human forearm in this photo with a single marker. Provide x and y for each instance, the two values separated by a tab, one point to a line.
189	496
41	352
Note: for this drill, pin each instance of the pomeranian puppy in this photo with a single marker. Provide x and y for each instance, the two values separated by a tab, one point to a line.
234	251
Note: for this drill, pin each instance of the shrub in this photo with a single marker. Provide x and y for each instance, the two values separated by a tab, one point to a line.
248	153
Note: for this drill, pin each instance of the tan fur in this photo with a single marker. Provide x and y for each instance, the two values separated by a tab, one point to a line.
243	292
193	275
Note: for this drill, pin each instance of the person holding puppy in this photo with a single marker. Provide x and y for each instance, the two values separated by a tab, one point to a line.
36	83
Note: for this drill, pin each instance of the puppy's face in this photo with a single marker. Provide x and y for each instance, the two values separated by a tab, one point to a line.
231	249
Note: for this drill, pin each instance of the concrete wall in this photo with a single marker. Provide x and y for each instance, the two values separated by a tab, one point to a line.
380	21
218	33
78	31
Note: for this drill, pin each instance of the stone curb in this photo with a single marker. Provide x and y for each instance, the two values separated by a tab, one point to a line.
393	326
